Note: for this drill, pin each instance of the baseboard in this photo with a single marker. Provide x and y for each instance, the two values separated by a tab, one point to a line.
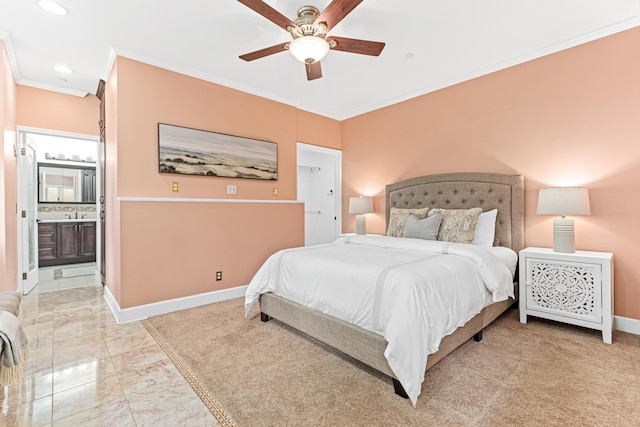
141	312
626	324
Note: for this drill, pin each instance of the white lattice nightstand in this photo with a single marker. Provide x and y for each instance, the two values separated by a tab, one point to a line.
574	288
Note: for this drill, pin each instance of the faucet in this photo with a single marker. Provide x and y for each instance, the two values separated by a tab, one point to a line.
84	216
76	214
68	215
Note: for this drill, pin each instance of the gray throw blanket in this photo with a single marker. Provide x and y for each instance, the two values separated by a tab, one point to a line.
14	350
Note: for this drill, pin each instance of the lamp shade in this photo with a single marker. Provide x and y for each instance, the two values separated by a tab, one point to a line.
563	201
309	49
360	205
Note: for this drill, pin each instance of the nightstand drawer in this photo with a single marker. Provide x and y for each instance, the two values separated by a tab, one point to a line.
568	289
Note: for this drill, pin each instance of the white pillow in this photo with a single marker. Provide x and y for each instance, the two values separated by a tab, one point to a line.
485	231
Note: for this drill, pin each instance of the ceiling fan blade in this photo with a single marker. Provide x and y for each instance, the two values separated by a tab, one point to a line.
363	47
335	12
264	52
314	71
270	13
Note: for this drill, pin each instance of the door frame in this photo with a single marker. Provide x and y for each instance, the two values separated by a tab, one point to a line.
337	155
27	276
20	132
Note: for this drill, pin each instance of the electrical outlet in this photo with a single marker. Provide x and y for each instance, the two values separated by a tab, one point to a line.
174	186
218	276
274	191
231	189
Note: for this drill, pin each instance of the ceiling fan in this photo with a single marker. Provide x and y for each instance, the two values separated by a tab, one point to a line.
309	31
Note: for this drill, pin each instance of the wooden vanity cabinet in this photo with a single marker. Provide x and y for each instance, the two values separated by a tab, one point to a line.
66	243
47	241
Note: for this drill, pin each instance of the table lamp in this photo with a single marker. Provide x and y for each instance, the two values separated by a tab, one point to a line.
563	201
360	205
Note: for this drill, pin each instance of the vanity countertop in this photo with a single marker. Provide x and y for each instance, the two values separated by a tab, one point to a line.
67	220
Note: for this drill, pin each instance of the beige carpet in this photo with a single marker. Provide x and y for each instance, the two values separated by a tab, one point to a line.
265	374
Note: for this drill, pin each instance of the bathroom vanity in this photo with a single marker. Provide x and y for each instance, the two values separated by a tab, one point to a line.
66	241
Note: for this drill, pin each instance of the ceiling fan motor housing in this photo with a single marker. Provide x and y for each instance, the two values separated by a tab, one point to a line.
307	15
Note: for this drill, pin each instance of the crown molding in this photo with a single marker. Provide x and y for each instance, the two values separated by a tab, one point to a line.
52	88
11	53
609	30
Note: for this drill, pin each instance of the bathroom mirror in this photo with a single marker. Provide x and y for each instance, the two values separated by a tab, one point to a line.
66	184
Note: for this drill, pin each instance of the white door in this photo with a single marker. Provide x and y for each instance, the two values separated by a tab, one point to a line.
27	202
319	187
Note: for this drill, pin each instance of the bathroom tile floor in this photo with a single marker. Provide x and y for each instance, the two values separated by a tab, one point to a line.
86	370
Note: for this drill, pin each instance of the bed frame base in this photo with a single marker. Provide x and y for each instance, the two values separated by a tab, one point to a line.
361	344
397	387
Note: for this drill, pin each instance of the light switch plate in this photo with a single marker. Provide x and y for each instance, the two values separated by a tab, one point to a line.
231	189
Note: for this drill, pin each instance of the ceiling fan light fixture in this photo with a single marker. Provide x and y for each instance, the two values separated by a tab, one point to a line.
309	49
52	7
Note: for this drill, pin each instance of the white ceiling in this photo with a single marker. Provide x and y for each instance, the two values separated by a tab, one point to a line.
430	44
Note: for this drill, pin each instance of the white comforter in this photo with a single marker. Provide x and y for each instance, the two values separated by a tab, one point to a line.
412	292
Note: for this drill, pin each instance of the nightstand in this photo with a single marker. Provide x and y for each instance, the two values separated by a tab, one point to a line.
574	288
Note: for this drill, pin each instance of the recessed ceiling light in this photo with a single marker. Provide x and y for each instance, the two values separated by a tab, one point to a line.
62	79
63	69
52	7
410	55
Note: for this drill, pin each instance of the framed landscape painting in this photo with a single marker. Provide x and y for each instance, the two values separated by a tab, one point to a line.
197	152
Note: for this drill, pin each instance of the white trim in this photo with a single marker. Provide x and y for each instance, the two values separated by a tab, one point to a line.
111	60
50	132
319	149
142	312
626	324
176	68
20	131
191	200
535	54
337	155
492	68
17	75
52	87
11	53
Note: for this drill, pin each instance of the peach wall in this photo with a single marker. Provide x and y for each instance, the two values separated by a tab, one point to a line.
319	130
172	250
148	95
572	118
8	177
56	111
112	206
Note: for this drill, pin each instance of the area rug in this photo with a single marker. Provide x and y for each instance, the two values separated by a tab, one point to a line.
251	373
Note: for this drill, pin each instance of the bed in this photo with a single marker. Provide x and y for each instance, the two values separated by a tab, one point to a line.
447	191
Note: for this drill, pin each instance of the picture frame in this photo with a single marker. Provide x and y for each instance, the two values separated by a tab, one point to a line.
188	151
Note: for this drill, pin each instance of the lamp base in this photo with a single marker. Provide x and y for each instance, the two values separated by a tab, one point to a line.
361	225
563	235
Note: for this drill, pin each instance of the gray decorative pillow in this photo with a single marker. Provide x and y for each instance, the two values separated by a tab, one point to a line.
398	218
457	225
426	229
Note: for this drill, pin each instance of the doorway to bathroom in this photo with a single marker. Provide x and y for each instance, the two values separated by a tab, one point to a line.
320	188
58	193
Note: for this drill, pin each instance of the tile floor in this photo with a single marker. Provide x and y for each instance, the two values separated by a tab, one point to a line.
86	370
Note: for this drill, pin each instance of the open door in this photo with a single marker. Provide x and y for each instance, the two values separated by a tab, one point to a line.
27	202
320	188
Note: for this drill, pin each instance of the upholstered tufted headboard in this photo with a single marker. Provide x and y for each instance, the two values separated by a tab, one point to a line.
464	191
